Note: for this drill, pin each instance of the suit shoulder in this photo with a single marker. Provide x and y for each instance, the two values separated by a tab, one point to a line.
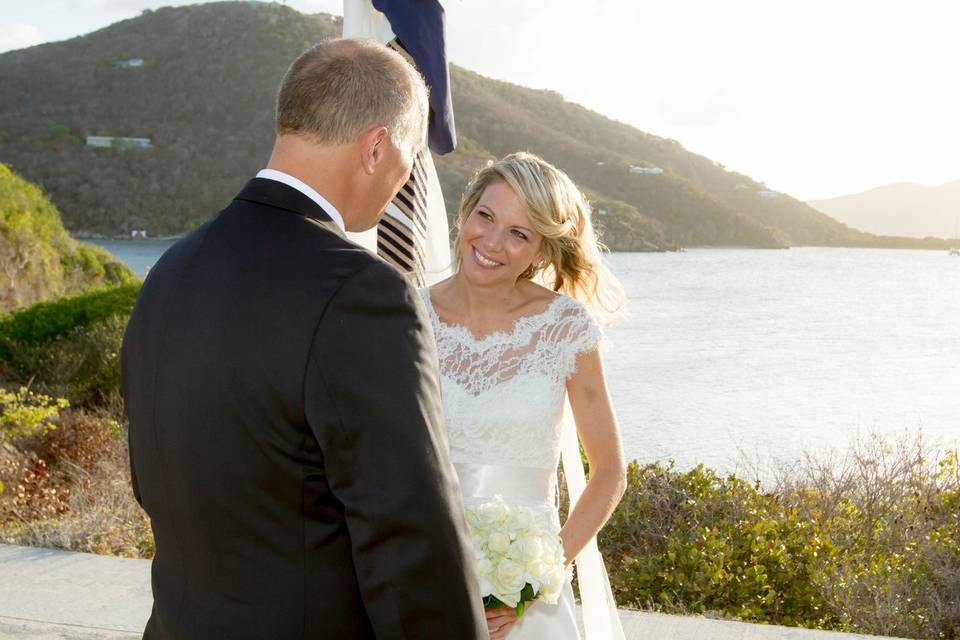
361	265
377	278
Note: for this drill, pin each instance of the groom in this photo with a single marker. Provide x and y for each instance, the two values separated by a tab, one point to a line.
281	387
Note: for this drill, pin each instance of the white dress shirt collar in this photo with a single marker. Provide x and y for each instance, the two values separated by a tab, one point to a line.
307	190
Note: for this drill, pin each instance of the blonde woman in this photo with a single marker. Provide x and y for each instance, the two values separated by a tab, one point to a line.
512	351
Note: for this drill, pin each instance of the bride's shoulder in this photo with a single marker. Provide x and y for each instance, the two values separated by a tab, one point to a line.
561	310
434	292
549	299
572	311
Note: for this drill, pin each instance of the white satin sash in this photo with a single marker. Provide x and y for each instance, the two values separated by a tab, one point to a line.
513	484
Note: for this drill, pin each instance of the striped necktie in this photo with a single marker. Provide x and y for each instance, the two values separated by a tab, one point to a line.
402	231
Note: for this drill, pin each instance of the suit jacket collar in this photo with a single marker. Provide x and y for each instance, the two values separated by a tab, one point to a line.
280	196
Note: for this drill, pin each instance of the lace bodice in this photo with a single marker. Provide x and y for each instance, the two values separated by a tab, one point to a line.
503	394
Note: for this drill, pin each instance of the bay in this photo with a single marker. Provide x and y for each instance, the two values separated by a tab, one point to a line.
729	357
139	255
761	355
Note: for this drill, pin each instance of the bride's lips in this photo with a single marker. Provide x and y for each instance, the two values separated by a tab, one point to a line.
483	260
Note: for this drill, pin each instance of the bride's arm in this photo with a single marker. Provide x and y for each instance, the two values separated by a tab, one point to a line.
600	436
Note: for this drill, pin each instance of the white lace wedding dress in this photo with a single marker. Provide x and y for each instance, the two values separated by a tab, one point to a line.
503	403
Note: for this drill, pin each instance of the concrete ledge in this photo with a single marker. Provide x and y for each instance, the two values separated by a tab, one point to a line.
48	594
657	626
16	629
81	591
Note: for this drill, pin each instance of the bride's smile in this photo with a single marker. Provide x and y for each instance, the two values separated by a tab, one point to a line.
484	261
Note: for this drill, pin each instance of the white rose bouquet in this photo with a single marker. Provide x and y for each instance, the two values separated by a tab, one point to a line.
519	557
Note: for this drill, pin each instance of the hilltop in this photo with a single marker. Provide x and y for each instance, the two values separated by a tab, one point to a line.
197	85
38	258
905	209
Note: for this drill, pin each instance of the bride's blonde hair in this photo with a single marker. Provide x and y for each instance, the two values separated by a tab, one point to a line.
572	261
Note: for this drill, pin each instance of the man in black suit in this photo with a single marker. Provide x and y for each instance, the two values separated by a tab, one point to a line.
286	434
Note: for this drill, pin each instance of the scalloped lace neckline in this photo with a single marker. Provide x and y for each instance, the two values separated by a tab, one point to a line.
519	327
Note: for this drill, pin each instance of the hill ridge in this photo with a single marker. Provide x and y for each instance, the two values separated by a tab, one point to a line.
185	79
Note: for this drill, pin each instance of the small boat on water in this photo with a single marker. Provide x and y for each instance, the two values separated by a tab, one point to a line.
955	252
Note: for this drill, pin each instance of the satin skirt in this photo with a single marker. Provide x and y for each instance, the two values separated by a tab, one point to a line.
543	621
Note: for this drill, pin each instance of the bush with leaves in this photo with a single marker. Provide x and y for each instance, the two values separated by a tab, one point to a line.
71	347
695	541
868	543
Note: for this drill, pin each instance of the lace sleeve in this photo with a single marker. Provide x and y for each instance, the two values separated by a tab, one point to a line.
579	333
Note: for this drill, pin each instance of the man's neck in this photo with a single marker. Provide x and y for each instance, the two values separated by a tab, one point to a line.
307	190
321	168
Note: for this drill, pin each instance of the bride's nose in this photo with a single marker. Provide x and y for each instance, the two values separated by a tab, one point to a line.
493	240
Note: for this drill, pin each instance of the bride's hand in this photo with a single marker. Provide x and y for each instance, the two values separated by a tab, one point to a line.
500	621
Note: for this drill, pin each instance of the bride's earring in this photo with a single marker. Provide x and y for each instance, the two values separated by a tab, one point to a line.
531	271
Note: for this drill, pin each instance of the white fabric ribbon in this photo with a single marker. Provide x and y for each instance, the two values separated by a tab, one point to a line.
601	621
513	484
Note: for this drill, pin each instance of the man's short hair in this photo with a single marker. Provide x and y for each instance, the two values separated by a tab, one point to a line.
340	88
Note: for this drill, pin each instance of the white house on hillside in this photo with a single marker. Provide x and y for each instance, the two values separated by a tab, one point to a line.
635	168
131	63
119	143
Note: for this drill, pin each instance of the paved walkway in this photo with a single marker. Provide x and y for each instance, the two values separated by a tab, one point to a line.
47	594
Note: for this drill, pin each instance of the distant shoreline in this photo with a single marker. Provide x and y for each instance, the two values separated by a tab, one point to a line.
88	237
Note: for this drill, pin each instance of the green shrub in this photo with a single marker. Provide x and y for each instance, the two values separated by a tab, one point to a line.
46	321
869	543
695	542
70	348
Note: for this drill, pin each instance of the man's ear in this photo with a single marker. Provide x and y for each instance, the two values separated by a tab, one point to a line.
373	145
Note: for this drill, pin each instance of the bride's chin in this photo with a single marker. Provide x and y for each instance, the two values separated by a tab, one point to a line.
476	274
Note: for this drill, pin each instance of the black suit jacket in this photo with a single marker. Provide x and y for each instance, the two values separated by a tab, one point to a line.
286	437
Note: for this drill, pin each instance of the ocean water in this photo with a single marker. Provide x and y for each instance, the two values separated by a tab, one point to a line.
731	357
139	255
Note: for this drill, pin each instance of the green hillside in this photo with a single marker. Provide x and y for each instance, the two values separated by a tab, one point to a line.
199	82
38	258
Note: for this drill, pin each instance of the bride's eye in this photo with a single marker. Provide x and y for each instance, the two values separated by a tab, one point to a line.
520	234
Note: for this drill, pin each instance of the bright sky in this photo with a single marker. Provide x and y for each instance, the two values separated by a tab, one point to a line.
816	98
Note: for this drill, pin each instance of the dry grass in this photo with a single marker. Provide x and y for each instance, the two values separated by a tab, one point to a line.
70	489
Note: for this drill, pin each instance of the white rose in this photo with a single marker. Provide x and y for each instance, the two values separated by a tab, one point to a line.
498	542
535	572
489	515
508	582
553	552
526	549
552	585
485	570
521	518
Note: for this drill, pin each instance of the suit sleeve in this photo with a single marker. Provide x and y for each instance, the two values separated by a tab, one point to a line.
373	402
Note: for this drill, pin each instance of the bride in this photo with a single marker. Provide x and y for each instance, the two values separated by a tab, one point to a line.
512	352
